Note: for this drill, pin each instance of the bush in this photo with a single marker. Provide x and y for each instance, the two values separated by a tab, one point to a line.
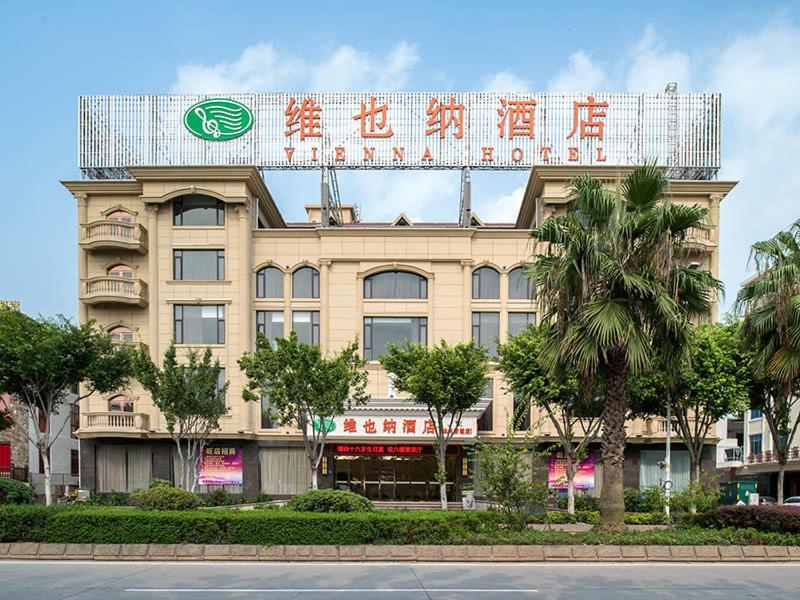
106	499
700	496
645	500
15	492
581	503
329	501
219	498
781	519
164	497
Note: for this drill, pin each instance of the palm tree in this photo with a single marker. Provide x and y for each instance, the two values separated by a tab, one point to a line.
771	329
612	285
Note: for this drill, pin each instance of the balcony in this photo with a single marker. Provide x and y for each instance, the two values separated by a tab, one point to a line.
729	457
108	289
115	422
114	235
772	457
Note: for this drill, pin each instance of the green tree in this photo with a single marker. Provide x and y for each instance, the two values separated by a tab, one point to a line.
305	388
770	302
610	286
446	380
574	415
509	474
42	359
713	382
191	398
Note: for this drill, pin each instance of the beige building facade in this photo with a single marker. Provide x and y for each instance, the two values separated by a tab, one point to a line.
201	256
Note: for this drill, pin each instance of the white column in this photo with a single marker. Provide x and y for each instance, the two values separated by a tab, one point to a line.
153	282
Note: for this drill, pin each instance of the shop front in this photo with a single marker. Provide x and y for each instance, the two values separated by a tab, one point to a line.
398	472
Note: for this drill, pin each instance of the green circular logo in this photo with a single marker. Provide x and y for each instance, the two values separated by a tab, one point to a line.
218	119
327	426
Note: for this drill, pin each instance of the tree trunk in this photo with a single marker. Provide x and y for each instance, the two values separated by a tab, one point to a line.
697	468
314	483
612	499
48	483
781	472
570	485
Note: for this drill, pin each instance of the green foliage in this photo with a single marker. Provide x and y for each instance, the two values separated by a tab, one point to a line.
278	526
582	503
509	476
329	501
163	497
15	492
446	380
304	387
106	499
156	482
645	500
219	498
783	519
699	496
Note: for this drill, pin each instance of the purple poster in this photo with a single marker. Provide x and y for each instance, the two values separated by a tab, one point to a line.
557	472
221	466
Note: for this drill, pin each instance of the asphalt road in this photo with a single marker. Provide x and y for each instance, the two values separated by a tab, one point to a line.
39	580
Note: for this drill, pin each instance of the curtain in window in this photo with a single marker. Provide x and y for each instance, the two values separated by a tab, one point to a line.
270	323
199	324
650	474
485	284
520	287
140	467
199	265
269	283
518	322
305	283
284	471
110	465
395	284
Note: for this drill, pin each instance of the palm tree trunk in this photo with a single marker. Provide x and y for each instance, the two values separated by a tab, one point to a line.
781	473
612	500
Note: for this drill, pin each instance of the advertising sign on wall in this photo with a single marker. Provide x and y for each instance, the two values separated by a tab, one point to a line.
392	426
221	465
557	472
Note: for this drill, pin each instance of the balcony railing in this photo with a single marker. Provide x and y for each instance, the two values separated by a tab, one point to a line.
731	456
115	235
110	289
131	422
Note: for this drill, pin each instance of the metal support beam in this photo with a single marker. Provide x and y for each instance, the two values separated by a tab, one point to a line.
465	208
329	198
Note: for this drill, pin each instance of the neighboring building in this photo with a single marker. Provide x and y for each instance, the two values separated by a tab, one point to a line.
202	255
749	453
14	441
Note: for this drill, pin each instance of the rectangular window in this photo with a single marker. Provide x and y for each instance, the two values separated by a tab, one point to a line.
756	443
519	321
381	331
269	420
198	211
74	463
485	420
221	381
74	419
651	472
204	324
486	330
270	324
198	265
756	414
306	324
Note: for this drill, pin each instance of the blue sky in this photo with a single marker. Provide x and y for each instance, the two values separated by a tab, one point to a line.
51	54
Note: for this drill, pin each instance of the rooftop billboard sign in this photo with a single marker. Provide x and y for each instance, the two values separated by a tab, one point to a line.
400	130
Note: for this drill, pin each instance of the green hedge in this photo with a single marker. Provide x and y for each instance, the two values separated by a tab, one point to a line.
783	519
15	492
329	501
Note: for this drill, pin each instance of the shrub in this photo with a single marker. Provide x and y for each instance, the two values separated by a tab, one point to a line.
581	503
106	499
700	496
219	498
15	492
155	483
782	519
163	497
329	501
645	500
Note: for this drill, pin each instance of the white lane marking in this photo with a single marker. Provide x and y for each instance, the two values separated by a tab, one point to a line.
325	590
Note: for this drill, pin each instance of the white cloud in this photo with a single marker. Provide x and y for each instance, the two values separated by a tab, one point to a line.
654	67
581	74
262	67
505	81
503	209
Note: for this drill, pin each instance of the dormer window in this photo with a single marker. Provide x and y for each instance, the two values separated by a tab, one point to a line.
123	271
120	215
121	335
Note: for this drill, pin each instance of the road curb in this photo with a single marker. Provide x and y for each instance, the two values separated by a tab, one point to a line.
404	553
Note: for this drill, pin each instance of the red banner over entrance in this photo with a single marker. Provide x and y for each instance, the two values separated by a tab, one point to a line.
389	450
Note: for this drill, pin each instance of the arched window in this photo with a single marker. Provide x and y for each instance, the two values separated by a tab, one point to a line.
120	403
269	283
485	284
121	271
120	215
198	210
395	284
121	335
520	286
305	283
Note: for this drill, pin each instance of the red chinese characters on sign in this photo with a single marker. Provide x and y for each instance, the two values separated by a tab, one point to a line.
349	425
374	120
389	426
369	426
442	115
304	118
516	118
592	125
428	427
409	426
